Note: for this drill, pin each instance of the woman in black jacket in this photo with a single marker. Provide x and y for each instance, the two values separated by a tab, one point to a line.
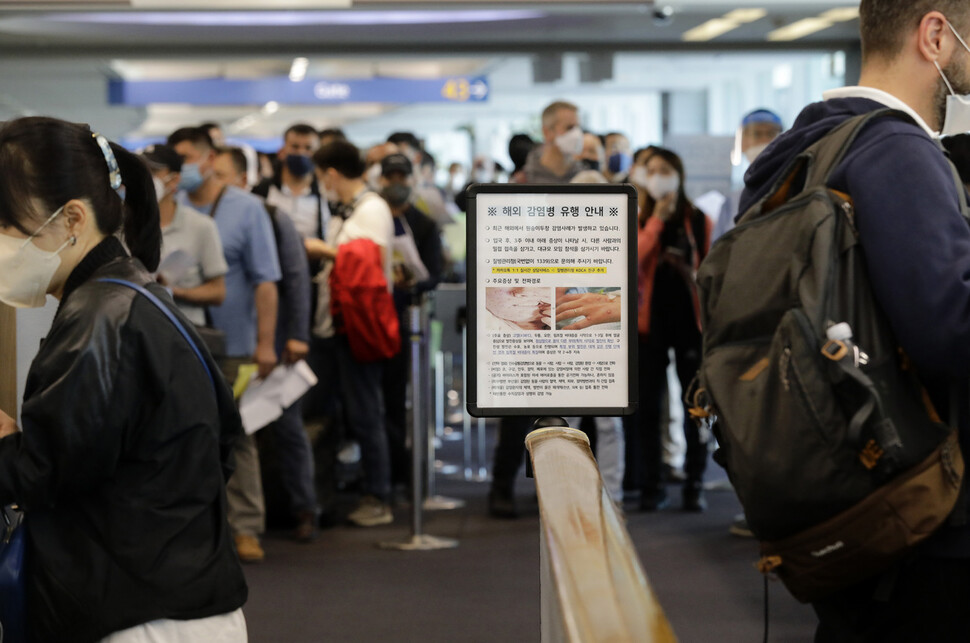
127	428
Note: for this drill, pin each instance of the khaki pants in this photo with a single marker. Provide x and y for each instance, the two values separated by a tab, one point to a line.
247	508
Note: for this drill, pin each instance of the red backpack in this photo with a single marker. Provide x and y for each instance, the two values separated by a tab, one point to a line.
361	305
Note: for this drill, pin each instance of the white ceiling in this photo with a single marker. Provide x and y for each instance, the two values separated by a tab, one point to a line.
372	26
153	40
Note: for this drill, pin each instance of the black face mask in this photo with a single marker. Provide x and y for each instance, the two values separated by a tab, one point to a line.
396	194
591	165
299	165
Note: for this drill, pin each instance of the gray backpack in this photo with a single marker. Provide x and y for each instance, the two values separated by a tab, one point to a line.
829	439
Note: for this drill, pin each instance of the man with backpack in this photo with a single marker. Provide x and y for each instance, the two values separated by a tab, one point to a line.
906	206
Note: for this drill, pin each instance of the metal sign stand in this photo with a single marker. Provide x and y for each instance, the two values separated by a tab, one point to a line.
432	501
419	541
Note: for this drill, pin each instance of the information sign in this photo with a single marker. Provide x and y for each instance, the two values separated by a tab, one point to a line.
552	300
256	91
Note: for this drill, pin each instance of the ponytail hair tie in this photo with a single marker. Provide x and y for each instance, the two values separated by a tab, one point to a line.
114	172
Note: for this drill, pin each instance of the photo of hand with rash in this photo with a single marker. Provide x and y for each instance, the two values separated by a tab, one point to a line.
518	308
581	308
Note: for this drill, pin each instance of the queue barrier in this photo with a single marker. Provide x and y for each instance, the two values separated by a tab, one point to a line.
593	586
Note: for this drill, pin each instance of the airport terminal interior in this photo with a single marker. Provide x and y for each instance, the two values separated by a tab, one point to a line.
460	79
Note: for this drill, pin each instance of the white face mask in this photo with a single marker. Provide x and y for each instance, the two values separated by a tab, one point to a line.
458	182
660	185
957	120
373	176
754	152
159	188
26	271
161	191
638	176
570	143
484	175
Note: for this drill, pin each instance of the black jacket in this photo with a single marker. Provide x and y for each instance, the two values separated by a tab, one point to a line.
121	465
427	239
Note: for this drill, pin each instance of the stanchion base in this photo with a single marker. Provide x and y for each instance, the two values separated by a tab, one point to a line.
424	542
722	484
446	469
452	435
441	503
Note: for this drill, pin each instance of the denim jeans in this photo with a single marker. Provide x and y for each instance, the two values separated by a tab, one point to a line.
295	459
610	453
359	386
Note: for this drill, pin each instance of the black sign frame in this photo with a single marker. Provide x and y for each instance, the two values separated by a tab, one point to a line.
474	283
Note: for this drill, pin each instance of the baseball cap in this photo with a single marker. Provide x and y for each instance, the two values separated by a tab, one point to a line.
396	163
161	157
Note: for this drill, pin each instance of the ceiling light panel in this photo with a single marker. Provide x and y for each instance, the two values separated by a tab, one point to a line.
799	29
720	26
843	14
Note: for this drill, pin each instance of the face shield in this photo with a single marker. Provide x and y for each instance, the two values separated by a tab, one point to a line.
757	130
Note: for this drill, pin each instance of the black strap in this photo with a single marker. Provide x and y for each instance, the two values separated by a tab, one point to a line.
171	317
821	159
215	204
825	156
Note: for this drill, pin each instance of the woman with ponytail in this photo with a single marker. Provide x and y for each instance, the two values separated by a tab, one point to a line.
121	463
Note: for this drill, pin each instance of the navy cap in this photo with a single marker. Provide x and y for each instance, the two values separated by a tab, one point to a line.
162	157
396	163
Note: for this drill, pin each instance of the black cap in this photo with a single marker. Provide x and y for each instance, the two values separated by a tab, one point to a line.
162	157
396	163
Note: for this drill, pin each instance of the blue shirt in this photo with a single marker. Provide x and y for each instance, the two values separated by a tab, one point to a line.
250	249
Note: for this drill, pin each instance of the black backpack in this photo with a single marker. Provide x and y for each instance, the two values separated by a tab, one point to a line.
829	439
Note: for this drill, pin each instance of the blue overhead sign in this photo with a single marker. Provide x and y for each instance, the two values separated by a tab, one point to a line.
221	91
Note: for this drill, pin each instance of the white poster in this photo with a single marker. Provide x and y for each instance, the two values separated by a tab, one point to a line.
552	299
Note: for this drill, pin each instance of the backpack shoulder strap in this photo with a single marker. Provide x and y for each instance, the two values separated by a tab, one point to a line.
171	317
827	154
814	166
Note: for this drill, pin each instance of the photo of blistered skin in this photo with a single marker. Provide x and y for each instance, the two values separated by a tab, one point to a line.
588	308
518	309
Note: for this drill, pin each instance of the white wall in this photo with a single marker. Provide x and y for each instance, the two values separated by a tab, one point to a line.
32	327
73	90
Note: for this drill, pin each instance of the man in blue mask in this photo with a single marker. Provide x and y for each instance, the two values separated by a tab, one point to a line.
619	157
916	244
293	188
248	314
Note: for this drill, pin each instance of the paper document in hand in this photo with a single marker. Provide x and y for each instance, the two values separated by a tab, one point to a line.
406	255
265	400
259	413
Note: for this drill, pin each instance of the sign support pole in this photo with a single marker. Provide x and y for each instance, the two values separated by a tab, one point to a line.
419	541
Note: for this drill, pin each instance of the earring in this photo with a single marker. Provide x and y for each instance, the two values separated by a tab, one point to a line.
73	240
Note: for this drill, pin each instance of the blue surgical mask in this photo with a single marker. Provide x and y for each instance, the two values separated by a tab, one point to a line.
299	165
192	178
620	162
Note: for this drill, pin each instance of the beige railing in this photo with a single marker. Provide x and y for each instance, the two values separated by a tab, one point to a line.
593	586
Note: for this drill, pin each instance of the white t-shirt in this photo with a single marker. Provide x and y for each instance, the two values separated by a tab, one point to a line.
306	209
371	219
224	628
